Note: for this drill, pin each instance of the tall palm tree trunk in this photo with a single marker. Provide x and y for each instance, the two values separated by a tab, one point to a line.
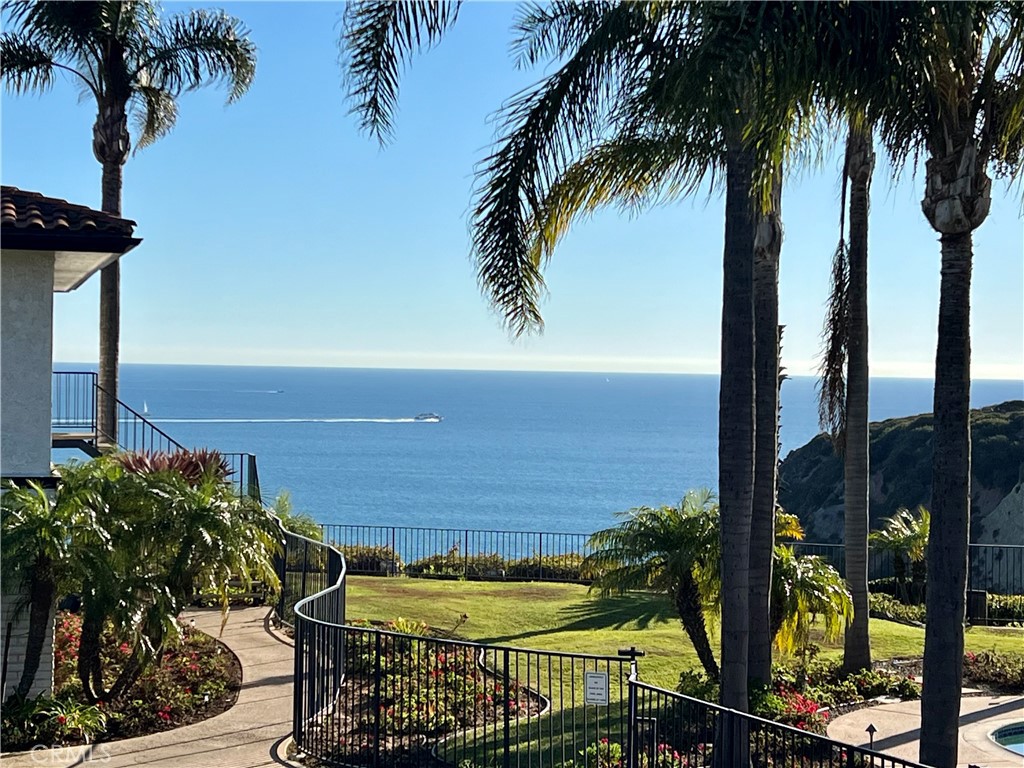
736	419
859	166
768	246
951	498
110	316
691	612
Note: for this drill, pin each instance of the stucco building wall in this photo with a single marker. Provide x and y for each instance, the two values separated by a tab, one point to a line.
26	322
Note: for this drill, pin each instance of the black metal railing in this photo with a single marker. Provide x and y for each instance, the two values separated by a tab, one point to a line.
419	701
550	556
74	398
460	552
671	730
73	401
307	568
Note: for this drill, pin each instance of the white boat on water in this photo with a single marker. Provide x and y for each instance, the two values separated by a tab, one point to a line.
431	417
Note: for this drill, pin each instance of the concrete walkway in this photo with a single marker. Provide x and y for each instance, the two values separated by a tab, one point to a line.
252	734
899	729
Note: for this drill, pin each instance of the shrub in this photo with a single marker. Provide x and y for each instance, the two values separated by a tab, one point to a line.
568	567
886	607
697	685
371	560
997	671
456	565
1006	608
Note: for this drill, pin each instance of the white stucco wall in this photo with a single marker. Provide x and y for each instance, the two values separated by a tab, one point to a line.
14	611
26	362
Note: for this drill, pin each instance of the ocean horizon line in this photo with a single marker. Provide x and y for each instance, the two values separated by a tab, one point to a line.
595	372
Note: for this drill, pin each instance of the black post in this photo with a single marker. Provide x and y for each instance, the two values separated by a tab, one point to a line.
299	682
506	761
631	725
376	699
281	566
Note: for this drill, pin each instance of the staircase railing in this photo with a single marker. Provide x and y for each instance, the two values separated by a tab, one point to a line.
75	396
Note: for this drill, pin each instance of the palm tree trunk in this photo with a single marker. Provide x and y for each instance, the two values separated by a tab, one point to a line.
856	468
951	508
736	420
110	317
768	246
691	613
42	591
90	670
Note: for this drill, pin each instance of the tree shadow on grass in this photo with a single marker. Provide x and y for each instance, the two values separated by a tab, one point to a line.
613	612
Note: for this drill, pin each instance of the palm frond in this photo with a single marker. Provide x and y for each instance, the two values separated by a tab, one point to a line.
544	127
190	50
631	171
553	30
378	39
25	65
155	115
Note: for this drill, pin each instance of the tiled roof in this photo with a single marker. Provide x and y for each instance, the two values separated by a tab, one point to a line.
32	212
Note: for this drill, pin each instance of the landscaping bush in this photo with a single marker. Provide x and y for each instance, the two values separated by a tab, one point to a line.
1006	608
456	565
371	560
1002	672
568	567
886	607
193	679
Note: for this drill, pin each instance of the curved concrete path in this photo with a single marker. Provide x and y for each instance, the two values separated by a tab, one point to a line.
899	729
252	734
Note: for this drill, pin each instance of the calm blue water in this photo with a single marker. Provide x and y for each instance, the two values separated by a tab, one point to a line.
519	451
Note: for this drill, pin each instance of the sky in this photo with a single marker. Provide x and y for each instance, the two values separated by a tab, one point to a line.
275	233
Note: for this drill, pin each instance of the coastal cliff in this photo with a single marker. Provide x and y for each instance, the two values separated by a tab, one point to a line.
811	477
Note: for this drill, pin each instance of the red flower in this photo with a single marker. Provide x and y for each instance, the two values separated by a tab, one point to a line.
61	719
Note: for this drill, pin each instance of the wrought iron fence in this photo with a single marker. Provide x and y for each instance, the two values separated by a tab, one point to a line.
422	701
307	568
549	556
73	400
460	552
670	730
366	696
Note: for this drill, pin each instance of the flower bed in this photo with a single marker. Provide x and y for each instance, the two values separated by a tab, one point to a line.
191	681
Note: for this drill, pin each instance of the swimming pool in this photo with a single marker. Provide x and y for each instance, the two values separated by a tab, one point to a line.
1010	737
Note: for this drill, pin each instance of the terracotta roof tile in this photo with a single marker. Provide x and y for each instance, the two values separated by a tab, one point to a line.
28	211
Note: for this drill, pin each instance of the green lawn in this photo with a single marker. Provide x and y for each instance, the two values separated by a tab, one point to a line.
566	617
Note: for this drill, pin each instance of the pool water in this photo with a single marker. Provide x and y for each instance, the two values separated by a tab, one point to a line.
1010	737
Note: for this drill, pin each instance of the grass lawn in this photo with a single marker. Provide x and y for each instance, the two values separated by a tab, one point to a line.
566	617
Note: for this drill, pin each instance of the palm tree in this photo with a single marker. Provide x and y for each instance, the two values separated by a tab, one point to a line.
669	549
952	92
843	388
38	531
905	536
674	80
131	62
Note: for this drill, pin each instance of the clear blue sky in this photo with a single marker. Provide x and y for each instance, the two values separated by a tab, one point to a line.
276	234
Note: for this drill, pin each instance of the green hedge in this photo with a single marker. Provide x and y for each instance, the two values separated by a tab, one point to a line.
887	607
455	565
1006	608
551	567
371	560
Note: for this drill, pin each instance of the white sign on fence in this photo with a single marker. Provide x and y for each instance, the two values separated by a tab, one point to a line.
595	690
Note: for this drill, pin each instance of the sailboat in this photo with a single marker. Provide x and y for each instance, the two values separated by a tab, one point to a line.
145	408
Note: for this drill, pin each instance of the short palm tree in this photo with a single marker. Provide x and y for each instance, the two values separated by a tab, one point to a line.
669	549
804	588
38	536
905	537
131	63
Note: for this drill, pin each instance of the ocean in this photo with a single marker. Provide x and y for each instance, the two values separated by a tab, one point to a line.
524	451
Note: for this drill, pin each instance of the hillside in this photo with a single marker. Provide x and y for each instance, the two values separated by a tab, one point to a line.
811	477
